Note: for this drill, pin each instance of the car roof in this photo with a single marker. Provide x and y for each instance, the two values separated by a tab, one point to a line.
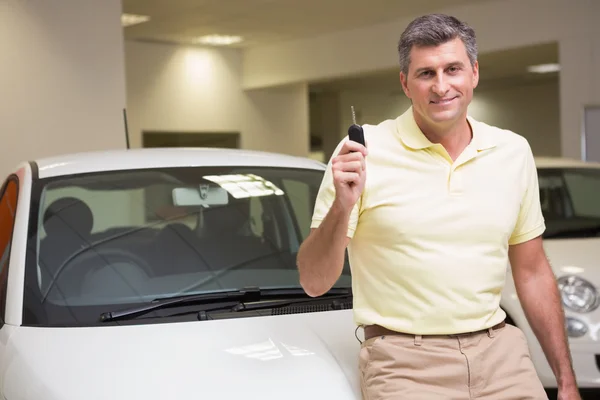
129	159
563	162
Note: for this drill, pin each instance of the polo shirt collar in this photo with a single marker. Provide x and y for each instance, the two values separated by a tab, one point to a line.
412	136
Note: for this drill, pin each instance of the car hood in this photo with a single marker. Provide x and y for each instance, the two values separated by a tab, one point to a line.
298	356
574	257
566	257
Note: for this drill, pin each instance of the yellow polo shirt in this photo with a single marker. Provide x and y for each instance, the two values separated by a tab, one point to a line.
429	237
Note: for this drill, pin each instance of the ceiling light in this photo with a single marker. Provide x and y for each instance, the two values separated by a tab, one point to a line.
218	40
543	68
133	19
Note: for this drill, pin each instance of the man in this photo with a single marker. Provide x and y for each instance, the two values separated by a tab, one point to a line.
431	212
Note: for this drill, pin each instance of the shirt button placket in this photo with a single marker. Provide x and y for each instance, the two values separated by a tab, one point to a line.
455	182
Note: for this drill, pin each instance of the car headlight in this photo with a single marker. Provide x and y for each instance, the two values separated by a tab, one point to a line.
578	294
575	328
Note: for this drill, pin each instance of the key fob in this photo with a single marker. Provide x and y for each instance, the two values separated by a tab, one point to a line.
355	133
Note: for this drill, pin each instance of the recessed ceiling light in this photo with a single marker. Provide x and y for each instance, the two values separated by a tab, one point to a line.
218	40
543	68
133	19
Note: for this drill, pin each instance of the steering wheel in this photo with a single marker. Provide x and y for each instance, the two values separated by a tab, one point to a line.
112	253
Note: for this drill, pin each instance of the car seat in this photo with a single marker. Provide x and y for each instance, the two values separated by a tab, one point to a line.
226	239
176	251
68	224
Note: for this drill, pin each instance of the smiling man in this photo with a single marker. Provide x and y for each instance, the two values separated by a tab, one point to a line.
431	211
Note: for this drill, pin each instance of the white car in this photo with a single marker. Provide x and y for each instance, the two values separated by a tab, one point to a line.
170	273
166	274
570	199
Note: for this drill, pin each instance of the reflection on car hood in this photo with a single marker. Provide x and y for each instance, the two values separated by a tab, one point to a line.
302	356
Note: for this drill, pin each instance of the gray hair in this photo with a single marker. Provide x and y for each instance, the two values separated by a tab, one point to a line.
433	30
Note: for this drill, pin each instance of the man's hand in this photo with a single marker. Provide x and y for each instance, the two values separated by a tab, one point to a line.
349	173
321	256
538	293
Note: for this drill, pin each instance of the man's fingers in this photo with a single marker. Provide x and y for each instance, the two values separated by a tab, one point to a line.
347	177
351	166
349	163
351	146
348	158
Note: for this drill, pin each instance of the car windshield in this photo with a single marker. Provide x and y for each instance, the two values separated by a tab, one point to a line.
106	241
570	200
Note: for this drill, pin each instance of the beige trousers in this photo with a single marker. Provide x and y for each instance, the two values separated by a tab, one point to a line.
489	365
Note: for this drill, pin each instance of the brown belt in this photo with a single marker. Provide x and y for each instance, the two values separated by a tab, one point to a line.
376	330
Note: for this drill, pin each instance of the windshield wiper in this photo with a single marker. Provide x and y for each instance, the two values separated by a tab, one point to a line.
247	294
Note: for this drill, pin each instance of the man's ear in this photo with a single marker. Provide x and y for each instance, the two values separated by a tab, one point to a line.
404	82
475	74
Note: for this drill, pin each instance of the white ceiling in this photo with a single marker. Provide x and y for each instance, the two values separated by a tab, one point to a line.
263	22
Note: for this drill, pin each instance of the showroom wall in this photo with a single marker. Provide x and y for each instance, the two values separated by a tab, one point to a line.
62	78
531	110
196	89
173	88
277	120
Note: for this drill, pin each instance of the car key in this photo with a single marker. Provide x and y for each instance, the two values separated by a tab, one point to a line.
355	132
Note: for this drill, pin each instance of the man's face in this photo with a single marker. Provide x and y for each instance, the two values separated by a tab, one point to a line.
440	83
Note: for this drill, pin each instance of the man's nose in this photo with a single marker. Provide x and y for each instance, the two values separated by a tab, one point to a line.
440	86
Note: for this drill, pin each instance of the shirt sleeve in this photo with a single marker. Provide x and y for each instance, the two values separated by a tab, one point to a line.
530	222
326	196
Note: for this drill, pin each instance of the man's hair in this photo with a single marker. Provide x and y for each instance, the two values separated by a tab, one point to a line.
433	30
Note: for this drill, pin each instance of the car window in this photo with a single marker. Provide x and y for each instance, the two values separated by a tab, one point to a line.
584	191
130	237
554	196
302	201
570	201
8	207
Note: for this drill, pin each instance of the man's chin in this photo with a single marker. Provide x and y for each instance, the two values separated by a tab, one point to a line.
440	117
444	117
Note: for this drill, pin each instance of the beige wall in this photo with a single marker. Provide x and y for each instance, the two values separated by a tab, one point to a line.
196	89
579	54
277	120
61	77
531	110
183	89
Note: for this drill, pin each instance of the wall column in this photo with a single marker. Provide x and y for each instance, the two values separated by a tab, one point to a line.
62	78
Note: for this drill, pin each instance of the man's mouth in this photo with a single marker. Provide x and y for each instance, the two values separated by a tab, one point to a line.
442	101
